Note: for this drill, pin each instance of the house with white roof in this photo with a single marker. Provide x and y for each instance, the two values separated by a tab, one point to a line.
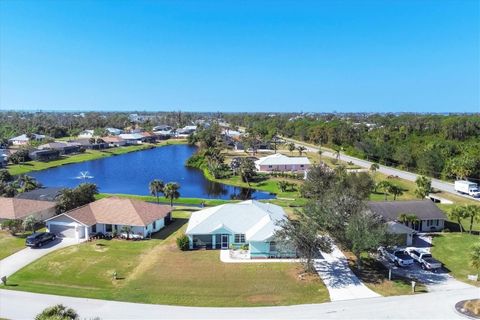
86	134
114	131
282	163
25	139
132	138
229	225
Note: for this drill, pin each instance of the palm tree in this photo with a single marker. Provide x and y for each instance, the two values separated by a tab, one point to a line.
374	167
28	183
171	191
475	256
301	149
319	152
58	311
283	185
384	185
291	147
156	187
472	212
403	218
395	190
337	154
459	213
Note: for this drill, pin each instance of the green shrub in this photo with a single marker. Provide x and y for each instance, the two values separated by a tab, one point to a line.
183	243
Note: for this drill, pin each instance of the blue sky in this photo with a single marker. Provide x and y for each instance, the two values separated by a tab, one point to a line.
375	56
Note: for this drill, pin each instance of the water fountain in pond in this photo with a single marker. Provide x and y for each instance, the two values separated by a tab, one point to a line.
84	175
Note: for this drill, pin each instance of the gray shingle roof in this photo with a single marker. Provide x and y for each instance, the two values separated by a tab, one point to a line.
390	210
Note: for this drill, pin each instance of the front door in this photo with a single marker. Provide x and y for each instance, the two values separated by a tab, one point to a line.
224	241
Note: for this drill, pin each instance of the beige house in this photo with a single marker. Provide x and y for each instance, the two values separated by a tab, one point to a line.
15	208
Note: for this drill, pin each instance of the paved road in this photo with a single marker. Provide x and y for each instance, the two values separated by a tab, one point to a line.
341	282
437	184
437	305
20	259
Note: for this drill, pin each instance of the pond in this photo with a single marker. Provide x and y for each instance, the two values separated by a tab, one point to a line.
132	172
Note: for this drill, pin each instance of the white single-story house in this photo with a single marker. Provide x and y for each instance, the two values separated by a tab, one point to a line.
249	223
282	163
430	217
15	208
24	139
132	138
86	134
114	131
110	215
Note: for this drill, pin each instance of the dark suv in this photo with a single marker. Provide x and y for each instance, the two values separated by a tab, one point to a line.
38	239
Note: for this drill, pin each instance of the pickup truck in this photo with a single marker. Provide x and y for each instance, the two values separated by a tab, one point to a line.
425	259
398	256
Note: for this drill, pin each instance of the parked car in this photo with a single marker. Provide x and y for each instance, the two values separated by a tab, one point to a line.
396	255
425	259
39	239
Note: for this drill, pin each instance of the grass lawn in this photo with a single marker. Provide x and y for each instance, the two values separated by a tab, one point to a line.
155	271
453	249
10	244
375	276
86	156
179	201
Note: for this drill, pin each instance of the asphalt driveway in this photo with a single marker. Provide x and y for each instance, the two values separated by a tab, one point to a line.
20	259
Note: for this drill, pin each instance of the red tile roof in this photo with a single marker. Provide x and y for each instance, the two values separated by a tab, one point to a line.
15	208
120	211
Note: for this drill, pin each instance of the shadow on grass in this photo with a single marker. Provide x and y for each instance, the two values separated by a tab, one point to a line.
170	229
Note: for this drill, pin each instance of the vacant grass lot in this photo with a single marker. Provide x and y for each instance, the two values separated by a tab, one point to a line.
155	271
453	249
10	244
86	156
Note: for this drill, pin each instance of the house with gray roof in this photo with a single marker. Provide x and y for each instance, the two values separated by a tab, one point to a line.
430	217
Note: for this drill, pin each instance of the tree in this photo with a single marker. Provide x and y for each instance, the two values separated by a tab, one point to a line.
337	154
365	231
29	223
384	186
301	149
171	191
57	312
302	236
283	185
374	167
291	146
459	213
156	187
424	187
473	212
28	183
247	170
475	256
395	190
320	152
69	199
5	176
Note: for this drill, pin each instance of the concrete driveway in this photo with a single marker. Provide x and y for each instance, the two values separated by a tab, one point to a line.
20	259
341	282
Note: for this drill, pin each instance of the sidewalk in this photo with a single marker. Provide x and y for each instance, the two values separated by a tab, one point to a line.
225	257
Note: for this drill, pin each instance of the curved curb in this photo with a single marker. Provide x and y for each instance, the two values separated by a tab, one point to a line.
463	312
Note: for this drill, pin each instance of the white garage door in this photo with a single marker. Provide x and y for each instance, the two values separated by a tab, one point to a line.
62	231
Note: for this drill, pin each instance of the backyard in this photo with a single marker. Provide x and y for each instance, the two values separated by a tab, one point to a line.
155	271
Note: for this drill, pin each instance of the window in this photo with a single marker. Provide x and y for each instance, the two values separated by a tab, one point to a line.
437	222
269	166
94	228
108	228
273	246
154	224
239	238
301	166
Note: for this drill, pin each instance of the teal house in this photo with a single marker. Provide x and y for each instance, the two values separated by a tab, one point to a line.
250	225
